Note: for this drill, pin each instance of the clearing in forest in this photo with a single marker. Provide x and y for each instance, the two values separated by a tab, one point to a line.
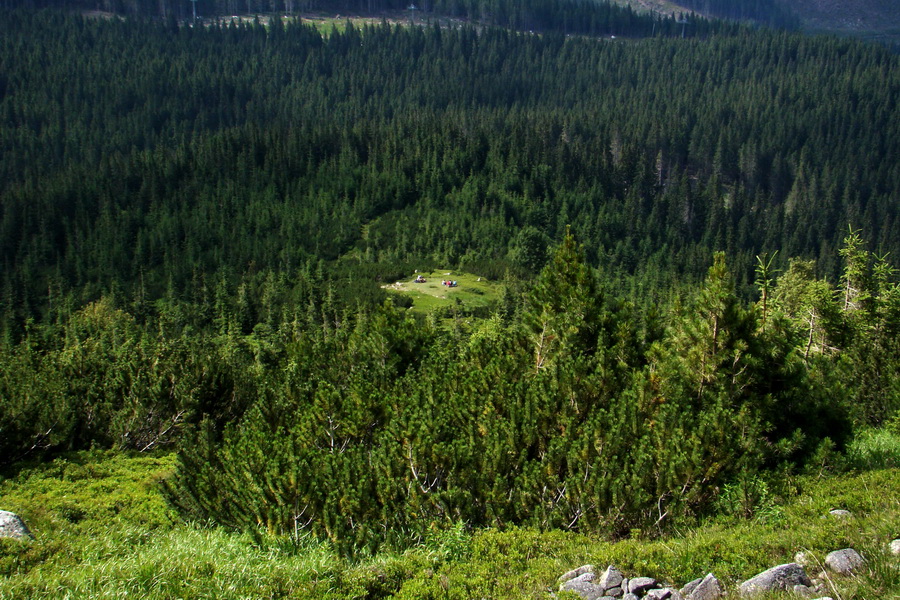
470	293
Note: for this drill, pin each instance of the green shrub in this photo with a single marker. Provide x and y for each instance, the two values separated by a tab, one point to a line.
747	497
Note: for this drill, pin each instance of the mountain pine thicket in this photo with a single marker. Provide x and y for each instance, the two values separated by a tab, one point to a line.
695	238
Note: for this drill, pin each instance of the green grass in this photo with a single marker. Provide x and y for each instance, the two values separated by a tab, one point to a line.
473	295
522	563
103	530
874	449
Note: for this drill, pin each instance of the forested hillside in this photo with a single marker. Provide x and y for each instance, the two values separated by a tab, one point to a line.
138	157
695	238
585	17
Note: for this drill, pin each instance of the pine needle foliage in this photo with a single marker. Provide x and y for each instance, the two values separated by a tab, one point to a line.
382	429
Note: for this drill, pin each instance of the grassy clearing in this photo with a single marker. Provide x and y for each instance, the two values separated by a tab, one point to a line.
875	449
326	22
473	294
103	531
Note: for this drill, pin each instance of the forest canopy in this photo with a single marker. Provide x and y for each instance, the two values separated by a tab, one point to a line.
694	236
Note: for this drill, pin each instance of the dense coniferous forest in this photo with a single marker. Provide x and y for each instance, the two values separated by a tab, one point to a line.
695	235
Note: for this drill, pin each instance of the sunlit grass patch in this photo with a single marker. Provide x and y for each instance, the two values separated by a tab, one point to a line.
470	293
103	531
875	449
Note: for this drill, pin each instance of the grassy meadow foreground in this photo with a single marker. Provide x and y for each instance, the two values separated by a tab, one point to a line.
103	530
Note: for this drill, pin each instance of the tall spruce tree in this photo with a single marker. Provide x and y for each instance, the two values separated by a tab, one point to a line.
563	310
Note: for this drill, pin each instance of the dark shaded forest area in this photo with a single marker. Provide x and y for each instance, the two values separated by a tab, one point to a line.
695	237
135	153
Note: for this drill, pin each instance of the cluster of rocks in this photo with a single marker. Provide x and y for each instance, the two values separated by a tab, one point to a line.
790	577
613	585
793	576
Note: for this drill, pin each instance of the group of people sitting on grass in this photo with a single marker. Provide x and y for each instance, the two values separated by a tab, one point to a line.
447	282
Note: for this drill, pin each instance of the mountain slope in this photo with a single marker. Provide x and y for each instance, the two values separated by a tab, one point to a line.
875	19
879	18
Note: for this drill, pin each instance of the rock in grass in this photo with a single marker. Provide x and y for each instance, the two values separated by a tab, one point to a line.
707	588
576	573
611	578
639	585
12	526
585	589
583	578
844	561
782	577
690	586
895	547
840	513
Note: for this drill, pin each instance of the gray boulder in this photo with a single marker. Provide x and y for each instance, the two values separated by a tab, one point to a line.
585	589
782	577
12	526
611	578
583	578
895	547
690	586
707	588
639	585
840	513
844	561
658	594
631	597
576	573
